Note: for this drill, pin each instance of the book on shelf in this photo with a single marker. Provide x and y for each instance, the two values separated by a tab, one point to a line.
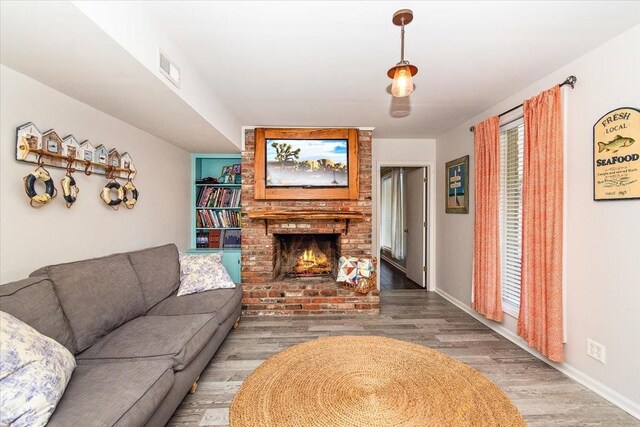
218	197
218	239
208	218
231	239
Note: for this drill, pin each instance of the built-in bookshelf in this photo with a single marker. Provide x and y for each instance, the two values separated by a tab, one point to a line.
215	208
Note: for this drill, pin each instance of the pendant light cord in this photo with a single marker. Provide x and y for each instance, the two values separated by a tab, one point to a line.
402	43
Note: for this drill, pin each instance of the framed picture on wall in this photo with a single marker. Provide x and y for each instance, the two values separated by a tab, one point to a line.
457	191
616	155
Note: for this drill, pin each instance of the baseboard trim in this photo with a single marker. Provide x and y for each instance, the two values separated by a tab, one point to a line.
393	263
622	402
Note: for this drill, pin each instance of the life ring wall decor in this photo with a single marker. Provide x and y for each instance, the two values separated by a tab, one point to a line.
105	194
130	202
69	190
38	200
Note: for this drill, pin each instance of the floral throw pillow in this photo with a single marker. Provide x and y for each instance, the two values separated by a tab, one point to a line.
34	372
199	273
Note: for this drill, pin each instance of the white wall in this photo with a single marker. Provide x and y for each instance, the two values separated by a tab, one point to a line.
130	24
403	152
31	238
602	244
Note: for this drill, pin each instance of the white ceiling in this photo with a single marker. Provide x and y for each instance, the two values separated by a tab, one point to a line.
324	63
309	63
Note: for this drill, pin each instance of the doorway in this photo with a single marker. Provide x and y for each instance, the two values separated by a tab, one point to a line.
403	227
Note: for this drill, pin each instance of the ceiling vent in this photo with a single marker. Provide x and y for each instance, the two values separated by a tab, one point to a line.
169	69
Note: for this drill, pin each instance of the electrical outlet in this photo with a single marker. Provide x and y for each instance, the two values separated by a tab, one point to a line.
596	350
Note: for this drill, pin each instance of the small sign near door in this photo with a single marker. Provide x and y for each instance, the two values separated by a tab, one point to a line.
457	179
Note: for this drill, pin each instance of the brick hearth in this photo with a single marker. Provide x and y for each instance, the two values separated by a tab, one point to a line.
266	295
292	297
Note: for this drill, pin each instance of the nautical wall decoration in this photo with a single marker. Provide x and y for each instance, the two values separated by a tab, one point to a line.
457	191
105	193
48	148
130	194
616	155
69	188
38	200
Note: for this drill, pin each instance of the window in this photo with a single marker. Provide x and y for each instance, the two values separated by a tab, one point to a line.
385	234
511	160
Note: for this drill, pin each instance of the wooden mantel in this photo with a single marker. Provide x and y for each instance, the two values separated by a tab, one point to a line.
284	215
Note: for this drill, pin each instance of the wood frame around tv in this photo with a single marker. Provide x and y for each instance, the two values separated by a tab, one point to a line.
262	192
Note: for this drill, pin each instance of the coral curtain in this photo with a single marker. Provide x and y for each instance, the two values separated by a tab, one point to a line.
487	286
540	317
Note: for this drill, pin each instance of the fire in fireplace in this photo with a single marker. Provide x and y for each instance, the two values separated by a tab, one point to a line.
304	255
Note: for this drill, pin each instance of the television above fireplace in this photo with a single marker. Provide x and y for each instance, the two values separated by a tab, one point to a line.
301	164
307	163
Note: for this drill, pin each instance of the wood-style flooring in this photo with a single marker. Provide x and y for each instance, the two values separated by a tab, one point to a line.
544	396
392	278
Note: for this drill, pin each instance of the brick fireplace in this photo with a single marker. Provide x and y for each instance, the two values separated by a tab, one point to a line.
274	277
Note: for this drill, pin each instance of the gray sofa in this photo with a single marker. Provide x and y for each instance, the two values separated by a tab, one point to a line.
138	347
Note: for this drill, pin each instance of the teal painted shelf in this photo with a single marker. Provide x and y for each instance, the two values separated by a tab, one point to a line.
212	165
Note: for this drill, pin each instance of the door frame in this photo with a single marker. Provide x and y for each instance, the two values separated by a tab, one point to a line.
430	235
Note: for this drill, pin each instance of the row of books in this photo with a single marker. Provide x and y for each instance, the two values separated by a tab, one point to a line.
218	197
217	219
218	239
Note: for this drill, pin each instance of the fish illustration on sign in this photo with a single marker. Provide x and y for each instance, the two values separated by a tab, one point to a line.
615	144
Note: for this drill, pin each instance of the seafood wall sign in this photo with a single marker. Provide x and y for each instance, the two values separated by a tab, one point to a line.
616	155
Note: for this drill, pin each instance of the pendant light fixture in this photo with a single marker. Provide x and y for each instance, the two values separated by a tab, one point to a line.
402	74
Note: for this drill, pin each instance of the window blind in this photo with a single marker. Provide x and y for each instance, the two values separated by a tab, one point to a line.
385	234
511	163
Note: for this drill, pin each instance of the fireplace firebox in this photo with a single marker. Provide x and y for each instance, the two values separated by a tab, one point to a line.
306	255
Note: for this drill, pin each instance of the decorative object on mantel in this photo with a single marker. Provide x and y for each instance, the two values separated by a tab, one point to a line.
38	200
69	188
288	168
457	180
283	215
105	194
33	146
402	73
616	155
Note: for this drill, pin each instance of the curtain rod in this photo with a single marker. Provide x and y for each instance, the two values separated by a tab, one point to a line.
571	81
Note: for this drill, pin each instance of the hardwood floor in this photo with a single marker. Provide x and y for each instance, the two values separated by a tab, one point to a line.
544	396
392	278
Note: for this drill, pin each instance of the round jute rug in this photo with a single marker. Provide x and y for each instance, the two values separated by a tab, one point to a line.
368	381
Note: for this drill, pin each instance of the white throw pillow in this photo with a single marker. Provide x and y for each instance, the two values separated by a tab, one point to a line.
34	372
199	273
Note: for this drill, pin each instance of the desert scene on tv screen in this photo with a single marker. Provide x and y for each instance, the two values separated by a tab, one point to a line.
306	163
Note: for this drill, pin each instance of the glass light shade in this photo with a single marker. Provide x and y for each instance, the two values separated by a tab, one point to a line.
402	82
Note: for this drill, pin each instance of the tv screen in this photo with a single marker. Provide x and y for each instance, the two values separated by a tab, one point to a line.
307	163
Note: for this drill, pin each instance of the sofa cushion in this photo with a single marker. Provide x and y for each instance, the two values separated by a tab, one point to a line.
158	271
179	338
113	394
97	295
219	301
34	301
